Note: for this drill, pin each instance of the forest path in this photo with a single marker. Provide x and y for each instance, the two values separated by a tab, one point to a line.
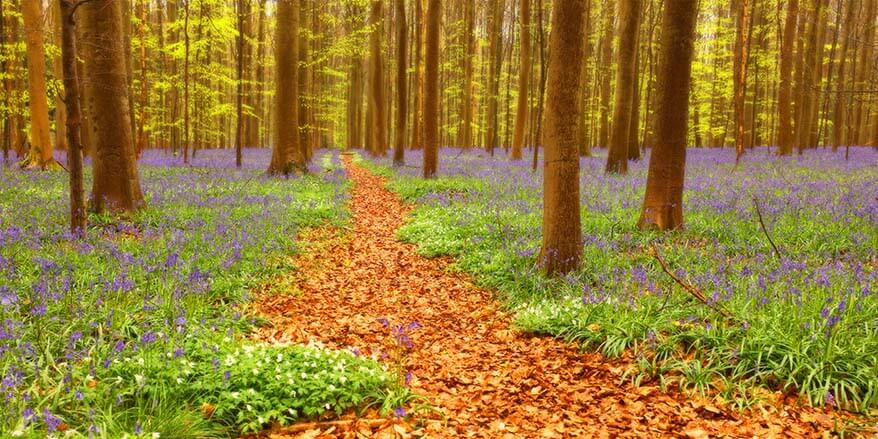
487	379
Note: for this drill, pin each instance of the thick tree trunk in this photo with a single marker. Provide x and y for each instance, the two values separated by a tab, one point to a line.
7	89
431	89
629	27
562	234
286	157
401	83
40	154
785	116
523	82
72	102
663	201
377	121
116	185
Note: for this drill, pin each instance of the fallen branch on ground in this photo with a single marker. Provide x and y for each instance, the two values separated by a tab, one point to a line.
691	289
764	229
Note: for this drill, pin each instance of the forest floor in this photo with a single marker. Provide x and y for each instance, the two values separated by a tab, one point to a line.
363	289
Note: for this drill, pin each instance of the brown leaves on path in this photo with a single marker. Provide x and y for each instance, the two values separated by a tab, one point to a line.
486	379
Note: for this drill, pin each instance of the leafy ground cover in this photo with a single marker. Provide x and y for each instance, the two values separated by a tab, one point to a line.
802	319
138	329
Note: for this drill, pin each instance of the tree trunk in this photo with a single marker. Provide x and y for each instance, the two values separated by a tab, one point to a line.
116	185
40	154
629	27
861	108
58	71
562	234
495	53
469	37
401	83
785	116
606	64
663	201
286	157
431	89
186	82
523	81
812	64
838	122
71	100
742	56
584	81
377	121
239	99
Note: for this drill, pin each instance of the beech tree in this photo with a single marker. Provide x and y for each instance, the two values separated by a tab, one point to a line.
67	25
562	242
116	184
431	89
785	130
629	27
523	82
377	109
401	84
287	157
663	201
742	56
40	154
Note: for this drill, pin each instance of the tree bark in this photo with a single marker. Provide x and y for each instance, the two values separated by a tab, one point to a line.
838	122
663	201
523	82
469	38
116	184
431	89
286	157
78	215
58	71
377	121
785	116
741	61
812	63
401	83
239	99
606	64
629	27
495	53
40	154
562	234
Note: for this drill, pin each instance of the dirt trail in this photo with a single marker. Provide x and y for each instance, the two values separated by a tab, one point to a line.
489	380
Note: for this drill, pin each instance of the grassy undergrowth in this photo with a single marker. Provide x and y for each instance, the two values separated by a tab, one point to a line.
805	321
138	329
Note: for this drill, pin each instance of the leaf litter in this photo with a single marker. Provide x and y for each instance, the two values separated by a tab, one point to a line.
483	379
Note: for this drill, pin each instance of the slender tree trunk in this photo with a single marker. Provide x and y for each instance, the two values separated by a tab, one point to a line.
785	130
606	63
812	64
861	109
629	27
286	157
741	61
186	81
431	89
58	70
838	122
71	100
466	129
116	184
663	201
584	81
7	89
40	154
401	92
239	99
562	234
495	53
523	81
144	87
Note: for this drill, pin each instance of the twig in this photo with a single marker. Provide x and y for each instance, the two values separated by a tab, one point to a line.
764	229
691	289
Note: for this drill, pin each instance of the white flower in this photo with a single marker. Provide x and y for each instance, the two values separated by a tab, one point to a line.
343	379
156	435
